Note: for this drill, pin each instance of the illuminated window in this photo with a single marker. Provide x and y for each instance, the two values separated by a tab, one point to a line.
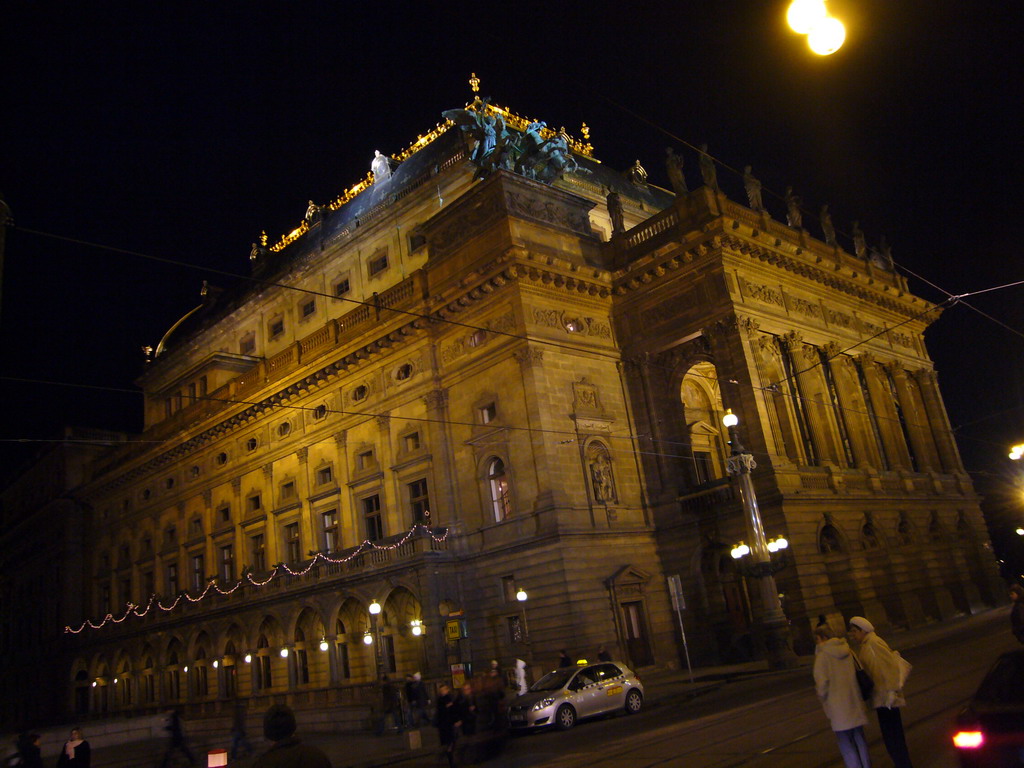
258	552
497	483
487	413
332	539
365	460
291	542
198	572
227	563
171	578
411	442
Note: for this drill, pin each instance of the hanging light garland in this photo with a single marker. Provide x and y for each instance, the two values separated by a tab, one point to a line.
131	609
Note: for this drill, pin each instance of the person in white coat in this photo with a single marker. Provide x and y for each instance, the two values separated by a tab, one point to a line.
835	680
881	664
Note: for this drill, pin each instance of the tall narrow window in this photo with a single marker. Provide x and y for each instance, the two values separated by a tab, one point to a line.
332	541
291	540
419	502
258	552
497	483
372	517
171	575
198	573
227	563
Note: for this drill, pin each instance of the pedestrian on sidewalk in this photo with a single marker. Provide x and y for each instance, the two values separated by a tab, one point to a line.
28	751
882	666
564	660
390	706
76	752
287	751
238	731
448	722
177	739
418	699
835	681
1017	612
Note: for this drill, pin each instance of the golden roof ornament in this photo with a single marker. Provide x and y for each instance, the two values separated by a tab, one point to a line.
585	132
474	82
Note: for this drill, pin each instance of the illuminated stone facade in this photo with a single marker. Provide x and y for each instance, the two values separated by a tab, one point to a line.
481	380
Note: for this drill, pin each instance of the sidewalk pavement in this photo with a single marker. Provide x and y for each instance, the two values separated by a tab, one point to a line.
365	750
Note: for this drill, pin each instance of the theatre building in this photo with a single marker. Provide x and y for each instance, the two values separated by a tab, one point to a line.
497	369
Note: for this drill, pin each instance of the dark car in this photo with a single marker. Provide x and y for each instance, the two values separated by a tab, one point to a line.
562	697
989	732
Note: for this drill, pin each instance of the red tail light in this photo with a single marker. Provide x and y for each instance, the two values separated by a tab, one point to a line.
968	739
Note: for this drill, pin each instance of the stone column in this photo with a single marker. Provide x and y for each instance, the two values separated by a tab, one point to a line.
851	400
778	399
938	421
885	412
292	667
348	526
333	673
805	386
915	421
639	369
440	442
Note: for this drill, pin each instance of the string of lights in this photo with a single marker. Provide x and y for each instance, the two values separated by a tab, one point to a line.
212	586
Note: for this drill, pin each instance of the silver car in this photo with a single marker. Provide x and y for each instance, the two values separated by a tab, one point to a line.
562	697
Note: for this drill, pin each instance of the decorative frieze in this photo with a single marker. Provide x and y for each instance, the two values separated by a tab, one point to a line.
478	337
559	318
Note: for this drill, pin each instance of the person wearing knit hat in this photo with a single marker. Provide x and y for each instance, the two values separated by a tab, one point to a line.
882	665
287	751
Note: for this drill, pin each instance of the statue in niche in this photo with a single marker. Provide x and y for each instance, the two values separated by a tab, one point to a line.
827	228
615	212
601	476
380	167
753	187
794	216
707	169
860	243
313	214
674	166
257	252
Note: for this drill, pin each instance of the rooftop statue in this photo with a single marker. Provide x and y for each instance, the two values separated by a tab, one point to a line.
638	174
615	212
753	188
794	216
707	169
313	214
380	167
527	153
860	243
826	225
674	166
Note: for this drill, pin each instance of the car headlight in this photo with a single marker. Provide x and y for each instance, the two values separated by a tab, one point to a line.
543	704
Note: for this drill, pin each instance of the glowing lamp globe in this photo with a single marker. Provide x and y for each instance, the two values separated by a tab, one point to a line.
323	645
374	608
368	639
803	15
284	653
827	37
521	595
730	419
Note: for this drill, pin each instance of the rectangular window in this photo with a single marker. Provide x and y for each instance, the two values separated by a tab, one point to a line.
508	588
417	241
342	287
412	442
374	523
168	408
365	460
702	471
378	262
247	345
308	308
387	648
324	475
192	392
332	541
196	526
258	552
224	513
198	573
276	327
203	386
126	589
291	542
227	563
172	579
419	502
516	630
148	585
170	535
254	503
288	490
488	413
104	599
343	665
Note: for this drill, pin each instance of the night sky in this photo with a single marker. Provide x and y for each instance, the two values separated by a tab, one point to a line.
181	130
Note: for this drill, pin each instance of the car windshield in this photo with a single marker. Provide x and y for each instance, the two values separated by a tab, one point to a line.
552	681
1005	683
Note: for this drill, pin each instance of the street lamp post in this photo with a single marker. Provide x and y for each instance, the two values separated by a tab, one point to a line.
774	625
374	639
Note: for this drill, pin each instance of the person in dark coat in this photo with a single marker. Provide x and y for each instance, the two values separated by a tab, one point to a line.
239	738
28	751
75	753
418	699
448	722
287	751
391	706
564	660
1017	612
603	655
177	742
467	709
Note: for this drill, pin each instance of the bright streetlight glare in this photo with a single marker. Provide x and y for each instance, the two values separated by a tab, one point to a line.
730	419
805	15
827	36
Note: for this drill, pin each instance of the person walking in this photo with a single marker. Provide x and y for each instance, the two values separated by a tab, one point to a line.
287	751
835	681
391	706
448	722
28	751
177	742
239	738
418	699
1017	612
881	664
76	752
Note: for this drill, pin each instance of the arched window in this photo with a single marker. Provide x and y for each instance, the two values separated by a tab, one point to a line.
263	676
904	534
344	669
935	532
301	656
869	536
829	540
497	483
